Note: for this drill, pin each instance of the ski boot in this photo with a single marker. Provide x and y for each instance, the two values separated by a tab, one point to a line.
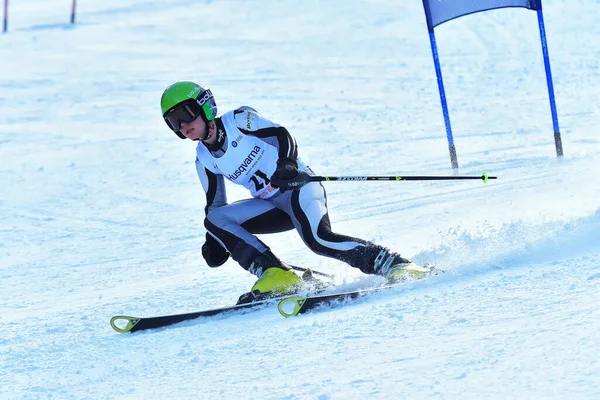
397	268
275	278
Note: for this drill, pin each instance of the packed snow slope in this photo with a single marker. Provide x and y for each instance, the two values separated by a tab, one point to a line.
101	211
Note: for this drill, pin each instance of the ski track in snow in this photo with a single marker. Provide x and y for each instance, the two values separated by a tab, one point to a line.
101	212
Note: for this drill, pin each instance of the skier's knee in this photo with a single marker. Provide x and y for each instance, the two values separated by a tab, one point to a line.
217	218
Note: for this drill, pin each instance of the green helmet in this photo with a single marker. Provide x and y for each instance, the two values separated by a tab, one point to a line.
184	101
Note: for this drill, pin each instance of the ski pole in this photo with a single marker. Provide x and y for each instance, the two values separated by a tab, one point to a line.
313	271
484	177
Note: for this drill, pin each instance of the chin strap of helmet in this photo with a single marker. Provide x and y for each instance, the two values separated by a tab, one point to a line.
210	126
207	134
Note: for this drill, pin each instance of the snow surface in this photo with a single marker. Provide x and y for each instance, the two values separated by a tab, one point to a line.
101	211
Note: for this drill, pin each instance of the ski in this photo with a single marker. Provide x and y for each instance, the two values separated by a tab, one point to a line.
124	324
293	306
248	302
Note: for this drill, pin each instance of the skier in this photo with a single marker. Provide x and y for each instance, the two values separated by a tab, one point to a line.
247	149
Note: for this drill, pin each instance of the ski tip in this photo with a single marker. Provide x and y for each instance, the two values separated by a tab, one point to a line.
291	306
118	324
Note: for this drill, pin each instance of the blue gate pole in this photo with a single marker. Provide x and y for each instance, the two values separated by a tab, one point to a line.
5	18
557	138
440	81
73	11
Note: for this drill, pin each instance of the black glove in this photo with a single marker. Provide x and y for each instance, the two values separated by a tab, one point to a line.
212	251
287	176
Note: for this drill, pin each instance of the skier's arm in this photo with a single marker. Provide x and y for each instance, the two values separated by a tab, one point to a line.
252	123
213	252
286	175
214	187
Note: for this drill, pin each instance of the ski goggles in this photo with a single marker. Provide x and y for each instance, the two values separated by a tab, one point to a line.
187	112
